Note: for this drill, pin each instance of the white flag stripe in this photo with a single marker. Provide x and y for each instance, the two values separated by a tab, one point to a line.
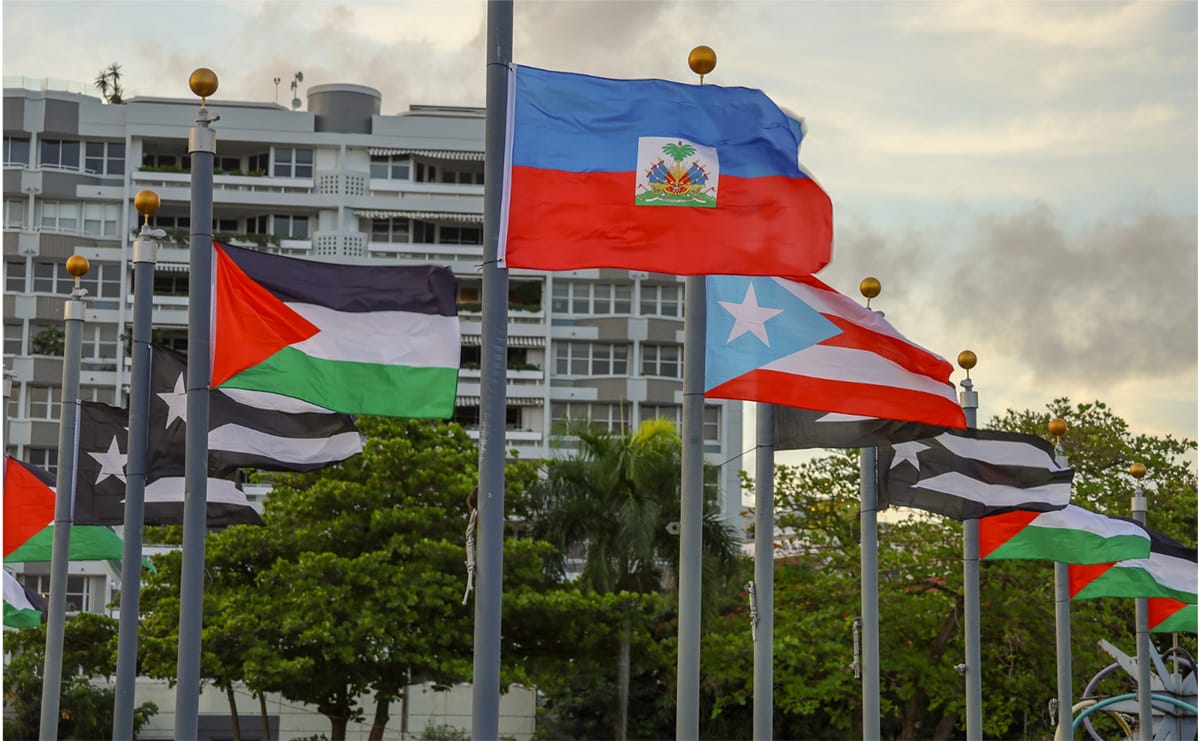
855	366
14	594
239	439
1171	572
831	302
170	489
382	337
273	402
995	495
1078	518
999	452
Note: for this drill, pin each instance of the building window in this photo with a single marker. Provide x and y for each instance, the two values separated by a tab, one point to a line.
396	167
389	230
100	344
100	219
424	233
12	340
78	595
61	154
177	162
226	165
14	276
712	424
52	277
59	216
661	360
44	458
285	226
580	298
426	173
171	284
460	235
591	359
259	163
666	300
293	162
473	176
16	151
104	158
103	280
44	402
14	213
670	412
567	415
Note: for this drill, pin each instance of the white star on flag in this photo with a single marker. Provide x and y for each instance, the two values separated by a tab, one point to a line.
908	452
748	316
112	462
176	401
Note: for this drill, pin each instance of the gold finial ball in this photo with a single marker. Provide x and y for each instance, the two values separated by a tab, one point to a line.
77	265
1058	427
1137	470
146	202
967	360
869	287
203	82
702	60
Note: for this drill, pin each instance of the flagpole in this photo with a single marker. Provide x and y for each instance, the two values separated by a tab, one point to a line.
764	573
701	60
973	662
1062	612
144	248
64	502
485	700
1142	621
869	567
202	146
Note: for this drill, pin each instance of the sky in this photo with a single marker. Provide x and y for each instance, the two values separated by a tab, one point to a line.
1020	177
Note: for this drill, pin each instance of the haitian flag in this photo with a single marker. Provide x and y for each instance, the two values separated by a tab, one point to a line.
802	344
656	175
356	339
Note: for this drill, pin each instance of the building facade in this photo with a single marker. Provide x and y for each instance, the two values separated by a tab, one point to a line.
338	181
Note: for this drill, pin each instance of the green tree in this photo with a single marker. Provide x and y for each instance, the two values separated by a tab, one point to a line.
86	707
108	82
610	503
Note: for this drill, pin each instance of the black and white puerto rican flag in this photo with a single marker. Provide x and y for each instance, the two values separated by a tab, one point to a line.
967	474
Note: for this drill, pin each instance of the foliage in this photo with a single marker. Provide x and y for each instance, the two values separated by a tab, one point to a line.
48	342
108	82
85	708
817	597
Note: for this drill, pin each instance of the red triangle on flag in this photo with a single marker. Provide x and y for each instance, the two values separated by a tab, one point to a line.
28	504
1082	575
1162	608
250	324
996	530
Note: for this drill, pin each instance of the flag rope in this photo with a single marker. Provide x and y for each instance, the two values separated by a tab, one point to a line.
470	550
752	595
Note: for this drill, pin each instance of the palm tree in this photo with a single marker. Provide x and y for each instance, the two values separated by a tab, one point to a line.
612	502
108	82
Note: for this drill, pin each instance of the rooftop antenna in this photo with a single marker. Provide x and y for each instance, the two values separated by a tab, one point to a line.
277	81
299	78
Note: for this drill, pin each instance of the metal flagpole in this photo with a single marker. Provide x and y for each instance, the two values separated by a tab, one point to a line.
202	146
764	573
64	502
144	248
973	662
1141	622
485	702
701	60
869	568
1062	612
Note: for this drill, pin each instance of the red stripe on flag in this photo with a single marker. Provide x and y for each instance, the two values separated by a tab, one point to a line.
249	323
761	226
846	397
28	505
904	354
1081	576
996	530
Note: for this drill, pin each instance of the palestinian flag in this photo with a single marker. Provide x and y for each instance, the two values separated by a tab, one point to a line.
1171	616
1170	571
1071	535
29	520
356	339
23	608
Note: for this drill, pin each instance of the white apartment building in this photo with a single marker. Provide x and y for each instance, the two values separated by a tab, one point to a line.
336	181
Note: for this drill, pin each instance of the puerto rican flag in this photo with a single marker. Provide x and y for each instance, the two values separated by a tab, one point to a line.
799	343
